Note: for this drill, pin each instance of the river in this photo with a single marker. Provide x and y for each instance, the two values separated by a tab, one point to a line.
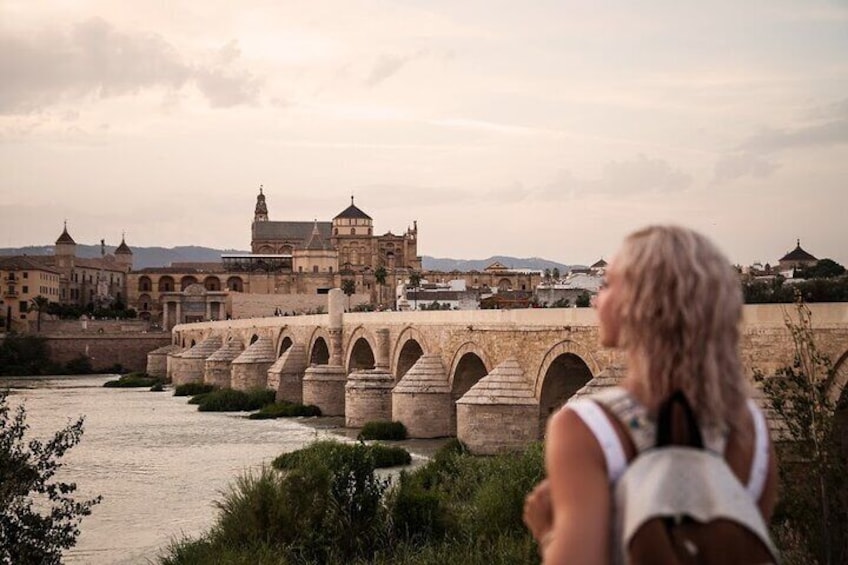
158	463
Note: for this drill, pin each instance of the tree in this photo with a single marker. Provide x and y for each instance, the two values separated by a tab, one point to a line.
415	282
555	273
824	269
583	301
380	276
547	275
812	466
39	304
30	532
349	288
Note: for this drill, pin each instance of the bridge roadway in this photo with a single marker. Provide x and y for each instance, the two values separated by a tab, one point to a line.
522	364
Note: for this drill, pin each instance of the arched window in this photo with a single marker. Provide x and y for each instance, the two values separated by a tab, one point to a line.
352	231
314	268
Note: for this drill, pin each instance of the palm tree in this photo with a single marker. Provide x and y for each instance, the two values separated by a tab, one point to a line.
414	282
39	304
380	276
349	288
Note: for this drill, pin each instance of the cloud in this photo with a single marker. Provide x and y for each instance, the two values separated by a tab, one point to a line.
638	176
831	129
387	66
736	165
93	58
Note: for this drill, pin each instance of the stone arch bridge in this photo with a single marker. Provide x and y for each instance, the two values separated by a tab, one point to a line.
491	377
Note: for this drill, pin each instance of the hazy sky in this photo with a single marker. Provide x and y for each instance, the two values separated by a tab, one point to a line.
534	128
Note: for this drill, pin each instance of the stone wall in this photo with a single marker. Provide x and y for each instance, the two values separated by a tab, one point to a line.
106	350
264	305
89	326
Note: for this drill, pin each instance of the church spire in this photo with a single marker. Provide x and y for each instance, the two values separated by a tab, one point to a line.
260	214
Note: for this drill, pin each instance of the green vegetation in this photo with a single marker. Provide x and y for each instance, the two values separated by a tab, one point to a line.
778	290
285	410
328	506
22	355
389	431
133	380
192	389
158	387
811	521
38	516
229	400
382	455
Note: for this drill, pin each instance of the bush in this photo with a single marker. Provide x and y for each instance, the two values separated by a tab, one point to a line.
132	380
229	400
79	365
158	387
192	389
285	410
389	456
327	506
38	516
381	455
23	355
388	431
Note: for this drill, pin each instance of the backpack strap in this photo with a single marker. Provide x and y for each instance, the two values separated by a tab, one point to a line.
760	464
599	424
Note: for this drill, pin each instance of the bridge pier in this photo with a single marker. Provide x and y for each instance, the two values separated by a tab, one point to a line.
368	397
250	369
219	365
324	386
286	375
157	360
192	363
499	413
422	399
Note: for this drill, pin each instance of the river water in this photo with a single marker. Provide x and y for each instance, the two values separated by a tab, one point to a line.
158	463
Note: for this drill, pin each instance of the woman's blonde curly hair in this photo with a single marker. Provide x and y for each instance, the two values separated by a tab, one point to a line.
680	311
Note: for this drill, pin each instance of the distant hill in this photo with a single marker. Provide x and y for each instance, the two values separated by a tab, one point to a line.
144	257
447	265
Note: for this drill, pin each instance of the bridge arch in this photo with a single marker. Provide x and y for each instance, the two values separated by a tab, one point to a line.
563	348
319	347
360	350
284	343
409	346
470	364
564	371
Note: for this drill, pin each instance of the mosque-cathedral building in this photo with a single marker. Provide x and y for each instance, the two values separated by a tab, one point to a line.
292	265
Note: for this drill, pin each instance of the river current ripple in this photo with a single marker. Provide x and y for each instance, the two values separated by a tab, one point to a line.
158	463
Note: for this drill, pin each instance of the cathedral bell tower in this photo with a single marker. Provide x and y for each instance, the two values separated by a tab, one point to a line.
261	212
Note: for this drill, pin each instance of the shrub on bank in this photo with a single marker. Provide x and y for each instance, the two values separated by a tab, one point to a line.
388	431
285	410
79	365
192	389
229	400
133	380
381	455
327	506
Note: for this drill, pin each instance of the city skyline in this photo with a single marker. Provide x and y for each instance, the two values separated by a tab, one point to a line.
545	129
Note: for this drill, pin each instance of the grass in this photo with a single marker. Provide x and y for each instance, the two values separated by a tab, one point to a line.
285	410
229	400
192	389
388	431
133	380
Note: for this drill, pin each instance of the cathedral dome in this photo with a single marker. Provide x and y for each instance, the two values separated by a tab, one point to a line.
123	248
65	238
352	213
